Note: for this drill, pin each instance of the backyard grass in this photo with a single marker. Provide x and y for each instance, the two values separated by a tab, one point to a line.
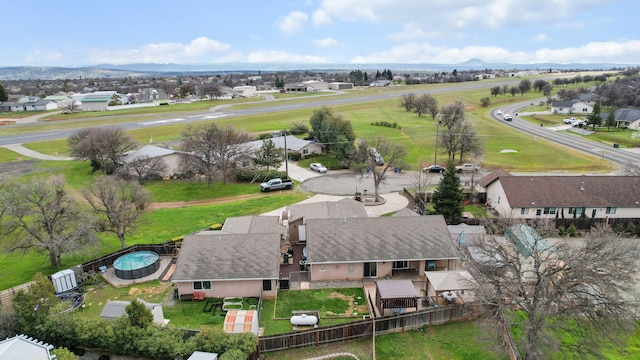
96	295
329	302
155	227
470	340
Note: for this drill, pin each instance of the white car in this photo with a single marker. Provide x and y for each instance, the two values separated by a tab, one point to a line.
570	120
318	167
498	112
508	117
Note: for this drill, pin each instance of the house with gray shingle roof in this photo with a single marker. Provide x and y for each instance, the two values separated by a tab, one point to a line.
294	145
548	197
571	107
360	248
625	118
228	264
170	157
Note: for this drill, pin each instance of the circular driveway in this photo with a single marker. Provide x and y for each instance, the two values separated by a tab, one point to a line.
346	183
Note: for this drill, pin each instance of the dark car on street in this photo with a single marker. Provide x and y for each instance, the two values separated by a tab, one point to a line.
434	169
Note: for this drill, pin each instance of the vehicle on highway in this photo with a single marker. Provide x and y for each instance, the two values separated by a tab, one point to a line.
318	167
434	169
498	112
468	167
507	117
276	184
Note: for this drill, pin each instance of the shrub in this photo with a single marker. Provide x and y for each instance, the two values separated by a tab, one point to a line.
295	156
265	136
257	175
298	128
572	231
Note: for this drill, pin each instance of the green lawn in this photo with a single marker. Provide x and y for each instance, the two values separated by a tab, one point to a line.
470	340
329	302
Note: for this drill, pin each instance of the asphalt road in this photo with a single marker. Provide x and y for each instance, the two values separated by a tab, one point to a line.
607	152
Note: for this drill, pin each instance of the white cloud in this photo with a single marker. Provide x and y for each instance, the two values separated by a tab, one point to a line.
293	22
540	37
199	50
274	56
320	17
443	15
327	42
612	52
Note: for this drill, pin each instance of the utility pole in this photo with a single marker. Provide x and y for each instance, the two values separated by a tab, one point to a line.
286	154
435	157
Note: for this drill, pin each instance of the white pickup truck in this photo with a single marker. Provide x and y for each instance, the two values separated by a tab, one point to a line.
276	184
468	167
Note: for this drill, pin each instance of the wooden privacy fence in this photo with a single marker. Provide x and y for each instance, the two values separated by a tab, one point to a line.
364	328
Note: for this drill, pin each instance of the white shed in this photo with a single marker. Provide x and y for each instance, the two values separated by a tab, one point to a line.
64	280
239	321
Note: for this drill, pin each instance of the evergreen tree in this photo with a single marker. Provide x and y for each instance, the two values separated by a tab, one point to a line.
611	120
448	198
138	314
594	118
269	155
3	94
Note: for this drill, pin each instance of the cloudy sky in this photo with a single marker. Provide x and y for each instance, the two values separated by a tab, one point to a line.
80	33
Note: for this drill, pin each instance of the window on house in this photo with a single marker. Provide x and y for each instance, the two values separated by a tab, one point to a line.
370	270
572	210
431	266
351	269
400	265
266	285
538	212
305	151
549	211
245	163
524	211
611	210
202	285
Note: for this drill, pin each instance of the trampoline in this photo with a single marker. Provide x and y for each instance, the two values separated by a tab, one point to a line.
136	265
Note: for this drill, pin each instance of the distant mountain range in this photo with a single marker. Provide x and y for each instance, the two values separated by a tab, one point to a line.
148	70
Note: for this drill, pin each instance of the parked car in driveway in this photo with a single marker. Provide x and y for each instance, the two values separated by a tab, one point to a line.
434	169
318	167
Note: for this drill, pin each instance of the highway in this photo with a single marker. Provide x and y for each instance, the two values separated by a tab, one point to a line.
608	152
282	105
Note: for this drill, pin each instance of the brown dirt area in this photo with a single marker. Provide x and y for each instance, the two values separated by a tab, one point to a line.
180	204
161	288
15	169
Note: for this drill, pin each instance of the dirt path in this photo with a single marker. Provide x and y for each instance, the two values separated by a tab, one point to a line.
181	204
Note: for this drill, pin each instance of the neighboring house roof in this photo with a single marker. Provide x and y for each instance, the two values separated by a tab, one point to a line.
251	225
391	289
378	239
526	238
23	347
148	152
572	191
98	96
42	102
228	257
493	176
449	280
58	97
405	212
562	104
117	308
293	143
328	210
588	97
624	115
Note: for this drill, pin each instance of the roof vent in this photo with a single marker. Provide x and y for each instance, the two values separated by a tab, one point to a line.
581	186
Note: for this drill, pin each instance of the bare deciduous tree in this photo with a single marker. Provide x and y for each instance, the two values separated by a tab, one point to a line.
406	101
368	152
44	217
212	90
215	149
587	282
104	146
118	203
144	168
69	106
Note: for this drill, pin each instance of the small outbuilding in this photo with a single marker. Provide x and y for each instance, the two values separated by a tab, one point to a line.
64	280
117	308
240	321
396	295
